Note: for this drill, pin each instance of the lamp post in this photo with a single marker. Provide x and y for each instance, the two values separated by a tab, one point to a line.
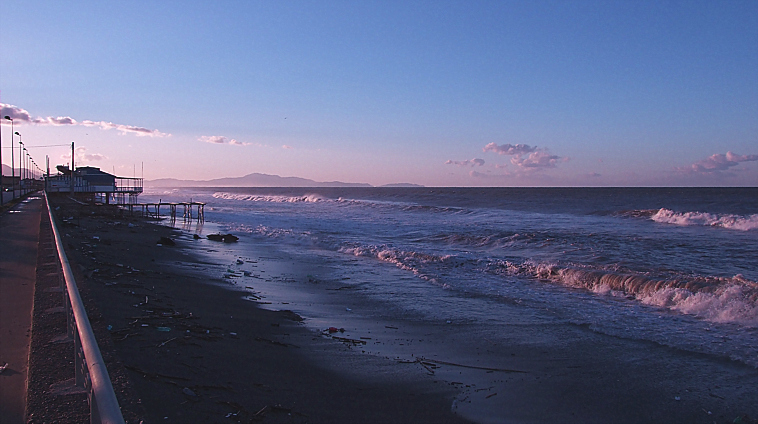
13	176
23	171
26	168
19	162
20	166
2	190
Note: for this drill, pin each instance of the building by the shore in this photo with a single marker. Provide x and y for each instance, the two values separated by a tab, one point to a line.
95	185
10	182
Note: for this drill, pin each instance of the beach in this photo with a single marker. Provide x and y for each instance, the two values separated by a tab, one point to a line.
196	352
191	337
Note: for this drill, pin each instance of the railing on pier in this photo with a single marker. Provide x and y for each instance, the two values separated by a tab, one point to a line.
89	367
153	210
128	185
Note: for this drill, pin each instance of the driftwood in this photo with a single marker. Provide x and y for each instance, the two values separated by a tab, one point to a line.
432	362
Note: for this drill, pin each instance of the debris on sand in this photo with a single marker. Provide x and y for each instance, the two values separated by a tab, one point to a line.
226	238
165	241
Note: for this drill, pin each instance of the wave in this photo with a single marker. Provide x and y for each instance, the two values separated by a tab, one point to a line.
404	259
642	213
316	198
716	299
308	198
704	219
495	240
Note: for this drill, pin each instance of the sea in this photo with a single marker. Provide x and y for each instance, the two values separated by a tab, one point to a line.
674	266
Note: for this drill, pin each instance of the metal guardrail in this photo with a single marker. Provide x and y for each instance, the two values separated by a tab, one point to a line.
90	370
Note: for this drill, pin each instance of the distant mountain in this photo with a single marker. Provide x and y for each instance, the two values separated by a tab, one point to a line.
7	171
251	180
402	185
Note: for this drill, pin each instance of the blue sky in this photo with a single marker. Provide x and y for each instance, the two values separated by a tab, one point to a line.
474	93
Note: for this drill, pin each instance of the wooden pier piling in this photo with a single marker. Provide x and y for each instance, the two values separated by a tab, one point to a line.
153	210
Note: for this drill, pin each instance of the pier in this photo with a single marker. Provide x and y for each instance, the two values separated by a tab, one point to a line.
189	210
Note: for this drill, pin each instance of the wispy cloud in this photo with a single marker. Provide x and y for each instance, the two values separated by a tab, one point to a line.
284	146
509	149
538	159
717	163
21	116
468	162
213	139
83	156
220	139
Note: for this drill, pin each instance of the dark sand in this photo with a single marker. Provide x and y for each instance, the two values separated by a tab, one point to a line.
226	359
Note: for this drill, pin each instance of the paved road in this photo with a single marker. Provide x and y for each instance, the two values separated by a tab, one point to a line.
19	235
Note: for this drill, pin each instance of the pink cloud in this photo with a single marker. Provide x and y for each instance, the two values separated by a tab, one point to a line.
21	116
527	158
83	156
540	158
213	139
717	163
509	149
220	139
284	146
124	129
14	112
467	162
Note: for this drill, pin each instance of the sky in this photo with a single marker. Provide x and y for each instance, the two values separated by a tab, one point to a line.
438	93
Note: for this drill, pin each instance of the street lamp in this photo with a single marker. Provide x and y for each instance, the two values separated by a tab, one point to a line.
13	172
2	190
20	165
20	144
26	168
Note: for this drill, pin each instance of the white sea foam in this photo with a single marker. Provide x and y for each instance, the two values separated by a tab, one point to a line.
730	304
405	260
715	299
308	198
734	222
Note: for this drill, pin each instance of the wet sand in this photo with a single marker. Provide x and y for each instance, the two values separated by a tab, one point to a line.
201	340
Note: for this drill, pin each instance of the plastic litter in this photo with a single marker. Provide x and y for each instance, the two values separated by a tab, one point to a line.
187	391
163	328
3	368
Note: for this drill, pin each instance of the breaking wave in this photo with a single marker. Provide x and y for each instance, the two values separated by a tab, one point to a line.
316	198
403	259
308	198
732	222
716	299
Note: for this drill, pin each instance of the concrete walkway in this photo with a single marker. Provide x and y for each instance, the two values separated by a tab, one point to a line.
19	237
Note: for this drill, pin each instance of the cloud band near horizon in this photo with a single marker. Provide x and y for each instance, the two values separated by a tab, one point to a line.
21	116
717	163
